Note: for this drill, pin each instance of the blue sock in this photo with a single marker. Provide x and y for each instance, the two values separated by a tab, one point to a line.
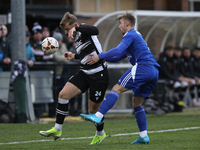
141	118
108	102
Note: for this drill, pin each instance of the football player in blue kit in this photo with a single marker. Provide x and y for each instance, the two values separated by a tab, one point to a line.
141	78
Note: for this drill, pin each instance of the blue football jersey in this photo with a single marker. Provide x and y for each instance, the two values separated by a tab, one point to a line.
138	51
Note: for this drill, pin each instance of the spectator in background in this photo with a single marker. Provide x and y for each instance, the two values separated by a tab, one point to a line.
177	62
3	58
187	70
36	42
56	30
169	72
29	54
5	42
166	61
177	57
170	63
58	57
6	48
45	33
195	58
26	27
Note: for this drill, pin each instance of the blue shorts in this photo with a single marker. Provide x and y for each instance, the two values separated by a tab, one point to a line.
141	79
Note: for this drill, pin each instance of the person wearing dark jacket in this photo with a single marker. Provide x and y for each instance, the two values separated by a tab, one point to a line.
168	70
195	58
170	62
5	48
187	70
4	59
170	73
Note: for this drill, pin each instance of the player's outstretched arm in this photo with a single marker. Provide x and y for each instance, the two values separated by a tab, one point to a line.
119	50
69	55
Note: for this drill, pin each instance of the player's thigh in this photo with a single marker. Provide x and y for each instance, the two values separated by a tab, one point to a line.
125	82
145	80
69	91
80	80
98	84
97	93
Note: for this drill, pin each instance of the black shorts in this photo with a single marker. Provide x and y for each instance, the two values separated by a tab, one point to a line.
96	83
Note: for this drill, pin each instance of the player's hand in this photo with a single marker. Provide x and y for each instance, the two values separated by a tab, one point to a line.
93	59
197	79
69	55
30	63
72	33
7	60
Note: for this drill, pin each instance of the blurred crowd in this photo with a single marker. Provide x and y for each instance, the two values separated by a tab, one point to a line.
34	38
34	53
180	67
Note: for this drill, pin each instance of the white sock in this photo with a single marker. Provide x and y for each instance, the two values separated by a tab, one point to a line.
58	127
100	133
143	133
98	114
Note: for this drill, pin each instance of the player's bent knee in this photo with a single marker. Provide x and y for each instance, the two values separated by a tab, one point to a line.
63	95
137	101
135	105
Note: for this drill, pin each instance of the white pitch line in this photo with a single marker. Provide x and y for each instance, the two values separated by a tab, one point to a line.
90	137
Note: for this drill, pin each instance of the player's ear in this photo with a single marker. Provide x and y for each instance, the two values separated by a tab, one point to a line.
76	24
127	23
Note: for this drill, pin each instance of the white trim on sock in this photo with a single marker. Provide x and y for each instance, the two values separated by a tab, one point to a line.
98	114
58	127
143	133
63	101
100	133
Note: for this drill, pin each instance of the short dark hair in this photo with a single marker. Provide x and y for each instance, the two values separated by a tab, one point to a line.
177	48
128	17
184	48
168	48
196	48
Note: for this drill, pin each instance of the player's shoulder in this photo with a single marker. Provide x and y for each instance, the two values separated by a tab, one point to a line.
83	24
132	33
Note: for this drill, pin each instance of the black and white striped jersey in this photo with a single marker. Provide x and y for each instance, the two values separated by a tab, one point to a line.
86	43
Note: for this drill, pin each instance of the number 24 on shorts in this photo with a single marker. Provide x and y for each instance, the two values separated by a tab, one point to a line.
98	93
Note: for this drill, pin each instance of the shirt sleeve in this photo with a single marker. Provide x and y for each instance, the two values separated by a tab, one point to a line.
114	52
116	58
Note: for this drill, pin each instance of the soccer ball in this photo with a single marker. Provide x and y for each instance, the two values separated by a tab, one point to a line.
50	45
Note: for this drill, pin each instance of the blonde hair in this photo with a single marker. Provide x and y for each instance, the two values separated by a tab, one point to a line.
128	17
68	18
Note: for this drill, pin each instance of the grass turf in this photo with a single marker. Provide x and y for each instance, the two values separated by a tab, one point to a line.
26	136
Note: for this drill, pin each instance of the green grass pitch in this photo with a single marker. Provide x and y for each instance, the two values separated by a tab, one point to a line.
121	130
